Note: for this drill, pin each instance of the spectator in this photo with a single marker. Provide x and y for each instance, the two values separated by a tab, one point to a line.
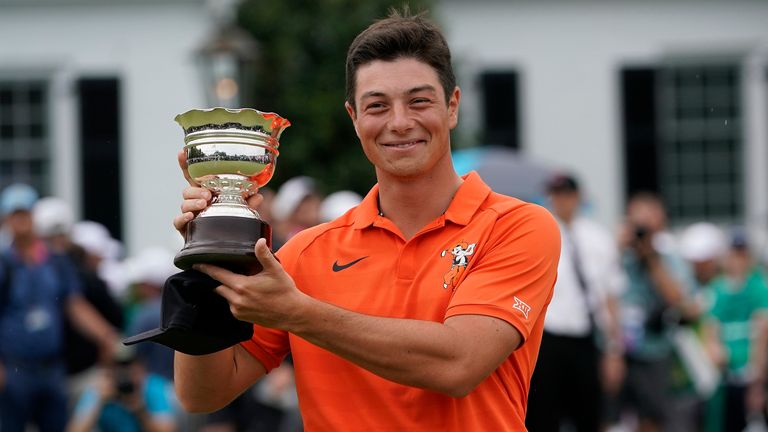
37	289
104	252
735	331
337	203
265	206
703	245
581	349
657	293
53	220
271	405
148	272
294	208
126	399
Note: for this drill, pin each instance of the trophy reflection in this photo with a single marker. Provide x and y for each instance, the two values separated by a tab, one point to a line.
231	152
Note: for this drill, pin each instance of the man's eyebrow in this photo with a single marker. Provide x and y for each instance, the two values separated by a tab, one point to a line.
417	89
373	93
425	87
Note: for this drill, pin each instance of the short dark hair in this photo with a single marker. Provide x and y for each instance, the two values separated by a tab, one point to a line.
561	182
398	36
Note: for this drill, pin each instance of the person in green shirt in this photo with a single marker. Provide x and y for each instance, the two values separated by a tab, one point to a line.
735	334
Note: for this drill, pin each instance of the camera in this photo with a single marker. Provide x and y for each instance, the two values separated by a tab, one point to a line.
124	382
641	232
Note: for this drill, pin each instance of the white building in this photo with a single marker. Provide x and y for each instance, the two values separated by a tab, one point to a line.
598	82
86	83
590	86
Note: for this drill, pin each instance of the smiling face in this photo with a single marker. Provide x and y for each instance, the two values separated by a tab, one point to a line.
402	117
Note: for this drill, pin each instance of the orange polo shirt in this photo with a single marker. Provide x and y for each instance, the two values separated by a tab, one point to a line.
489	254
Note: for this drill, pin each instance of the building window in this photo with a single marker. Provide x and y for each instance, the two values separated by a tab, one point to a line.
500	108
24	149
701	151
683	138
100	147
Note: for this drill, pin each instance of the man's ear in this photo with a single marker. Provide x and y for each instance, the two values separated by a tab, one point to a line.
352	115
453	107
350	111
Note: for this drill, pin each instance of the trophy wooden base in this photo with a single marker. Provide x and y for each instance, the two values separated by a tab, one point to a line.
225	241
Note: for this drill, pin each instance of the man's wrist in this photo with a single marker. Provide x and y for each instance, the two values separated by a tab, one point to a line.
302	310
613	347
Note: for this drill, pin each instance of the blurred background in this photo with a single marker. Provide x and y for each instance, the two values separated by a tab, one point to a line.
667	96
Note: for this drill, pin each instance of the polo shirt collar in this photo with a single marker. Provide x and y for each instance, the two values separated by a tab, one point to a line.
470	195
367	211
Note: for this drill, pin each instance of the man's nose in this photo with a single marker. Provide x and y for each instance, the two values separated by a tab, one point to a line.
401	120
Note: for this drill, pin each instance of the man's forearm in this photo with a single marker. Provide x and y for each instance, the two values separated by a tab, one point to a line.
757	352
90	322
669	288
209	382
446	358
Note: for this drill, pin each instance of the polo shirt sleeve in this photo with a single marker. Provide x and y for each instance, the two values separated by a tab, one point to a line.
716	305
759	288
514	275
270	346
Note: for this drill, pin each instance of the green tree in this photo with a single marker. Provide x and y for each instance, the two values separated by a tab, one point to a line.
300	75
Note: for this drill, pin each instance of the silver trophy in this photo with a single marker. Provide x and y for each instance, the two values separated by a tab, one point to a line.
230	152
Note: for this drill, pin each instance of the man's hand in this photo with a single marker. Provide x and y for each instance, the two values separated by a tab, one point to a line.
612	372
196	198
269	298
105	385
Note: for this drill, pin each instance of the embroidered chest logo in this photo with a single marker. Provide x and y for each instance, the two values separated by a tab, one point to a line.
460	258
521	306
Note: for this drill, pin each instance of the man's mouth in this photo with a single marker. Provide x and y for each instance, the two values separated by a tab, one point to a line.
403	144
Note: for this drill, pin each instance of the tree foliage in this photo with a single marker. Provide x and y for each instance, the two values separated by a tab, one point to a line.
300	75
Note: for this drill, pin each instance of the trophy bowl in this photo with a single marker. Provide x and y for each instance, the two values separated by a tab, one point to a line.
231	152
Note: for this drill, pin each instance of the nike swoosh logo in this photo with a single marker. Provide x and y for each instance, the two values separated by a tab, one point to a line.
339	267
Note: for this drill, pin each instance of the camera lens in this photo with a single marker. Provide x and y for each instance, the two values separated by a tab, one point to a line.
124	383
641	232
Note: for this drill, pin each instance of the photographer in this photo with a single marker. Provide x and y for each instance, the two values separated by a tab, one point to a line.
656	296
126	398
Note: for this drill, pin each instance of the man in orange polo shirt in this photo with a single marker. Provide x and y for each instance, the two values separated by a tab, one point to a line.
421	308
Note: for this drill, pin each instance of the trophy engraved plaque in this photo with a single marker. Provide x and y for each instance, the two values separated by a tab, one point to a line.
229	152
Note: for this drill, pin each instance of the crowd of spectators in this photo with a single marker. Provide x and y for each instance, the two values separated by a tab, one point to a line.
59	370
665	327
653	328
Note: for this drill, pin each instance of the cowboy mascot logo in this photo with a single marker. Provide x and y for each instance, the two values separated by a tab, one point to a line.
461	253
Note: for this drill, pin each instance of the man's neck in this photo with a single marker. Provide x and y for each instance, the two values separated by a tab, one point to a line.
411	203
566	220
27	247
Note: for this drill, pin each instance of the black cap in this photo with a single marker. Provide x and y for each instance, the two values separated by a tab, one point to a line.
195	320
739	238
562	183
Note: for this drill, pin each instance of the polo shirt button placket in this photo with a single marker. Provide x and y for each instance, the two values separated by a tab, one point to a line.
406	265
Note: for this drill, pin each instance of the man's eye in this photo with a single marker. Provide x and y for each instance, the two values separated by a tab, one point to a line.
420	101
374	106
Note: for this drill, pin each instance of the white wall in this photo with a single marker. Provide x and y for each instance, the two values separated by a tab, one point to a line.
569	54
149	47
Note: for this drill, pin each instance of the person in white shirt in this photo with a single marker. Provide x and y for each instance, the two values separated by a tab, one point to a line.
581	350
